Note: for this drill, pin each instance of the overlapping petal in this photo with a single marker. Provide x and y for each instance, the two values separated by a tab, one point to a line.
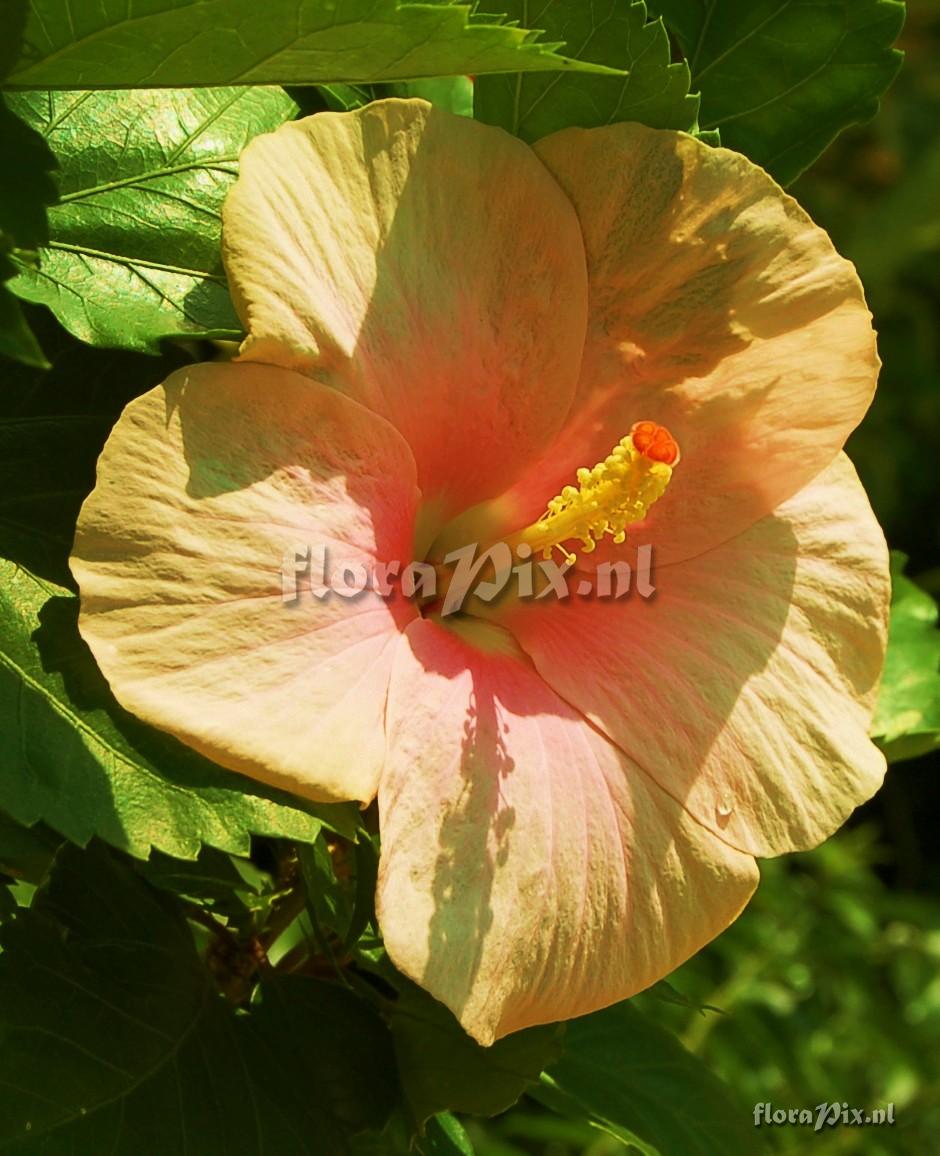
530	871
717	308
427	265
745	685
208	486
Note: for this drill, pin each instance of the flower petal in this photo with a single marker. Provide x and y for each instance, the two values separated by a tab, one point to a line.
745	686
718	309
428	266
206	486
530	872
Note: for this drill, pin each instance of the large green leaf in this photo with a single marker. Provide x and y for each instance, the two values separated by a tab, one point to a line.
133	254
611	32
115	1040
907	722
638	1081
199	42
782	78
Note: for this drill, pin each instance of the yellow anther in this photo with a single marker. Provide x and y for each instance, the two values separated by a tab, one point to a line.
607	499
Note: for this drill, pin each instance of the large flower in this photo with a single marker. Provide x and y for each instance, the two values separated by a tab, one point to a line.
444	325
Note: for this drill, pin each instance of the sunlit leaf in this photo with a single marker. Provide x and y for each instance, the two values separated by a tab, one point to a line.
133	254
907	722
206	42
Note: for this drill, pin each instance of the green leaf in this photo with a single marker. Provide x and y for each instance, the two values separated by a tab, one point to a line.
207	42
73	758
631	1074
232	889
611	32
550	1096
17	340
114	1039
26	188
325	1055
782	78
133	254
340	886
442	1068
453	93
445	1136
907	721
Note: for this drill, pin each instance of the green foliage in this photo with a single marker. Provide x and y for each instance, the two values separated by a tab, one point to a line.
119	1043
52	427
26	852
442	1068
781	80
445	1136
830	991
907	722
17	340
230	887
133	254
614	33
636	1080
177	43
26	188
73	758
340	885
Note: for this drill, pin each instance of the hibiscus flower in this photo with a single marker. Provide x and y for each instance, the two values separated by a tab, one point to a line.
444	325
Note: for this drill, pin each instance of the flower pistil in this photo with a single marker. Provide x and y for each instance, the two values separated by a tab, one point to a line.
608	498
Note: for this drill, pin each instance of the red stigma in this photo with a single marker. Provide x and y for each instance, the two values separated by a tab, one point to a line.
655	442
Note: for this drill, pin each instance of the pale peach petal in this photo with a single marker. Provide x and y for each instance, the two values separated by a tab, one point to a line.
530	872
745	685
428	266
206	484
717	308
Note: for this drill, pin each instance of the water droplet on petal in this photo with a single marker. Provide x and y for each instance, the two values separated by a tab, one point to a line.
725	807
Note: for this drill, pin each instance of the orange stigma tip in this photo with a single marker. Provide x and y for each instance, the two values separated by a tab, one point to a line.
655	442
